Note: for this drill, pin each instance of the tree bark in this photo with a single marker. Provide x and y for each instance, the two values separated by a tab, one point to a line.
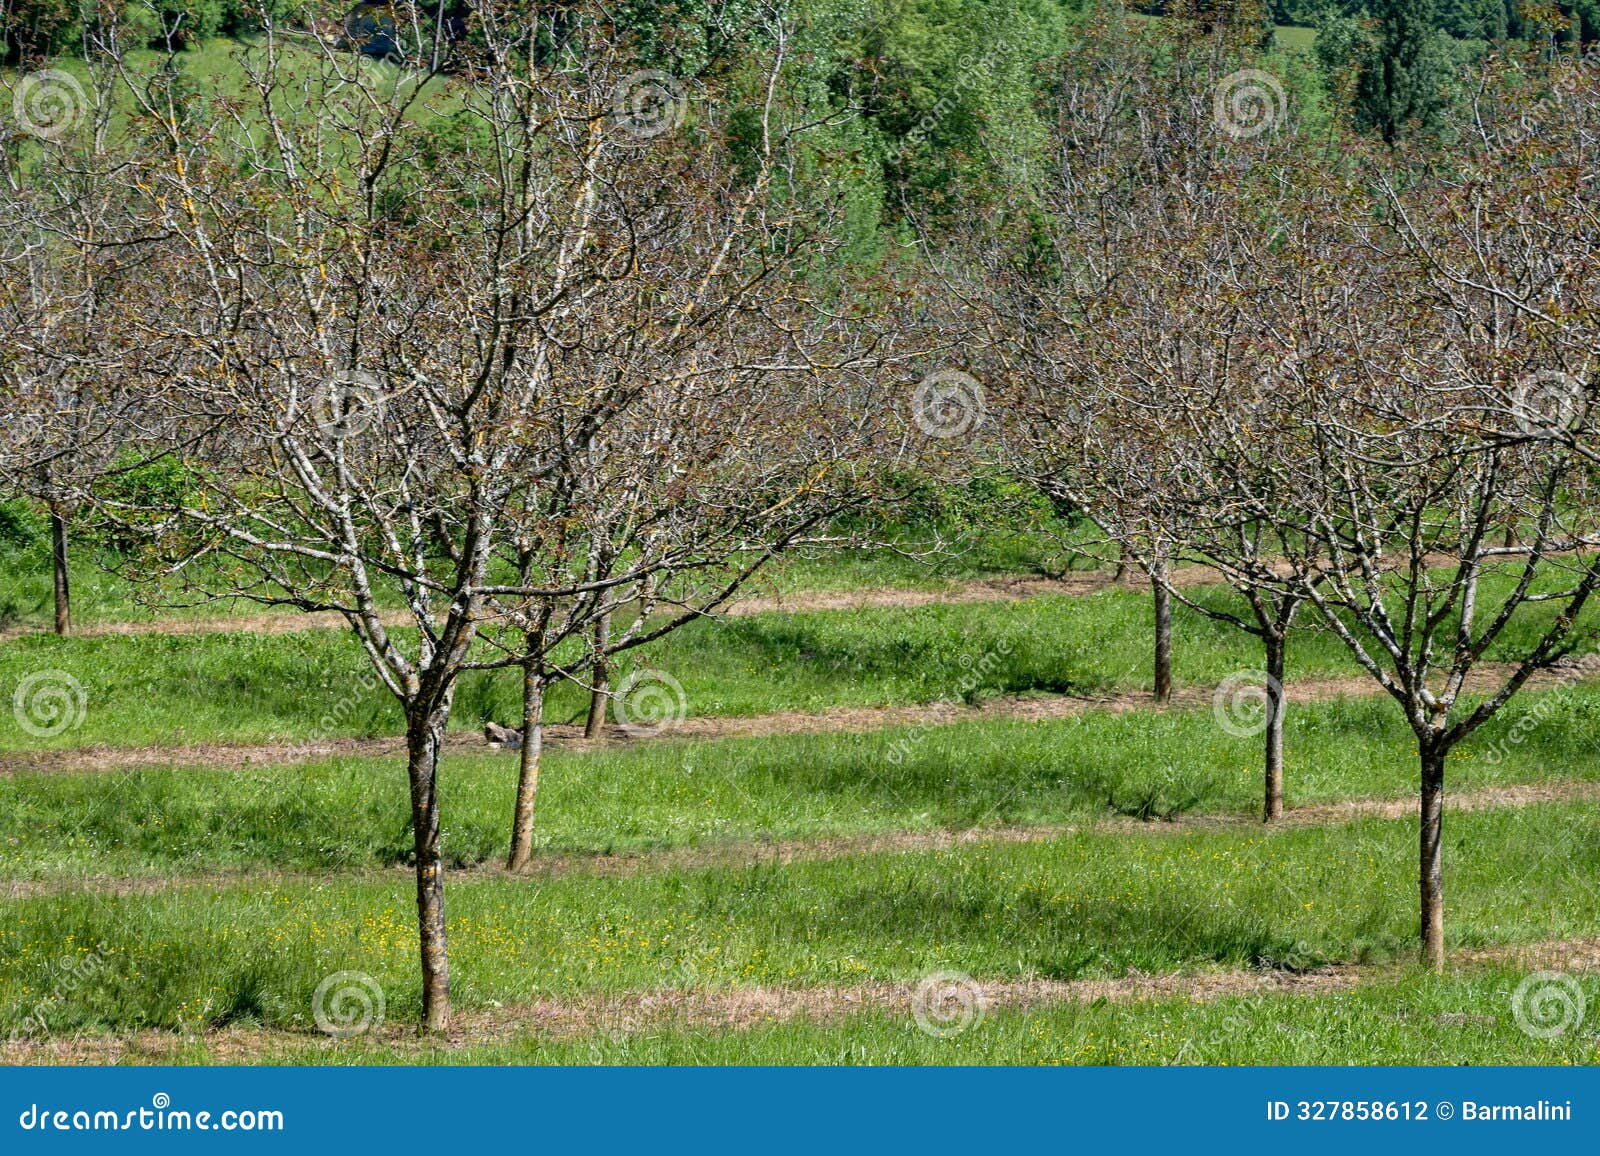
1431	876
528	771
58	554
424	738
593	727
1163	600
1122	565
1272	807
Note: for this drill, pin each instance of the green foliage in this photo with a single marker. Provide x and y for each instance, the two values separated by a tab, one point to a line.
163	482
1393	69
686	37
983	504
22	527
949	86
1462	19
35	29
1304	12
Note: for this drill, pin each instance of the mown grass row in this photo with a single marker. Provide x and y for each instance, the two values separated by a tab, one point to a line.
1089	904
102	597
353	813
1406	1018
244	688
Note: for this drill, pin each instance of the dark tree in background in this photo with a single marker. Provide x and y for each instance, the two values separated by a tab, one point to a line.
1404	69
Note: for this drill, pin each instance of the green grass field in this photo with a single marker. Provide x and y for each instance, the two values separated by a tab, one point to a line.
1408	1019
242	687
350	813
207	906
1092	904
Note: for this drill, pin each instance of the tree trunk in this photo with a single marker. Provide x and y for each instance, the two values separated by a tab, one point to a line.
1163	682
1122	565
593	727
424	737
528	772
58	553
1431	877
1273	806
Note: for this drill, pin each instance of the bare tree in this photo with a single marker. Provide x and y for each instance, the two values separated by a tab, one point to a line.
1135	358
408	322
1443	401
647	526
77	279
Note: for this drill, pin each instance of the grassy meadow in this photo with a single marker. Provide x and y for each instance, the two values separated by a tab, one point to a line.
206	904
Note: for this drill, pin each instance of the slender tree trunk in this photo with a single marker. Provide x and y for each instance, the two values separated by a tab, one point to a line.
58	552
1273	805
1163	600
1431	876
593	728
528	772
424	737
1122	565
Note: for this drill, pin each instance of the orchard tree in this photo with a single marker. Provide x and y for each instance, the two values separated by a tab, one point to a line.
1427	422
408	319
1470	413
659	517
1102	323
78	278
